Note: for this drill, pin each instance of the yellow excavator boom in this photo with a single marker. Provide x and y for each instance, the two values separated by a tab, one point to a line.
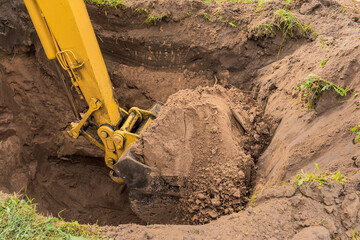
66	34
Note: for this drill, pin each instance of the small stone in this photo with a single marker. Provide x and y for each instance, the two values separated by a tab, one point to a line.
215	202
237	193
194	218
214	129
352	196
257	137
314	232
201	196
241	174
213	214
176	19
329	209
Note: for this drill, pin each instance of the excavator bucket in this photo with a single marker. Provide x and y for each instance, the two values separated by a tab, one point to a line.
154	198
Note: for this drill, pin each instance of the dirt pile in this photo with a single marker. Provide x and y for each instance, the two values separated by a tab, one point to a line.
148	64
205	138
282	212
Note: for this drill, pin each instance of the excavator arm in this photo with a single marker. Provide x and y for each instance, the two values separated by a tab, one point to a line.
66	34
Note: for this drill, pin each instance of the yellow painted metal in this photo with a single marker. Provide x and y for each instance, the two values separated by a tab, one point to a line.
67	23
41	28
66	34
76	129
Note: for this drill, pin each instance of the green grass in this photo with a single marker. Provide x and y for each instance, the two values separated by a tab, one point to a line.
323	43
356	130
356	235
323	62
313	88
111	3
233	1
289	25
207	17
260	4
149	18
318	177
19	220
251	200
152	20
265	30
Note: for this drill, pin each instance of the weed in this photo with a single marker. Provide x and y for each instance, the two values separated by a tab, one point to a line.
288	25
152	20
342	10
321	221
356	130
260	4
221	19
313	88
318	177
232	24
265	30
323	43
356	235
189	14
19	220
286	2
207	1
111	3
323	62
207	17
315	34
251	200
357	101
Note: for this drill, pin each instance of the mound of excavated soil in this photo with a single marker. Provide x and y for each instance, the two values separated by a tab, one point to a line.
201	138
148	64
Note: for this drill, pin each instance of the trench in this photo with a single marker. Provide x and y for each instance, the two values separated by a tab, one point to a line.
73	184
78	188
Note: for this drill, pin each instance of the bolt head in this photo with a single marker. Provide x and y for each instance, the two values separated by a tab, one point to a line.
104	134
117	139
111	161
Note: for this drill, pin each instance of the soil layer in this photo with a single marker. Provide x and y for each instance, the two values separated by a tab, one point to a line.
184	51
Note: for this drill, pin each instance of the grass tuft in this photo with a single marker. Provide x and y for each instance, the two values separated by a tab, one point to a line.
318	177
265	30
290	25
207	17
313	88
323	62
19	220
111	3
152	20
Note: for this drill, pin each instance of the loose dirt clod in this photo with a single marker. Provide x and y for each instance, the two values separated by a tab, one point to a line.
198	140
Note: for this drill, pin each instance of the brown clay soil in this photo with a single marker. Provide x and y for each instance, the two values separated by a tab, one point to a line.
226	91
201	143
